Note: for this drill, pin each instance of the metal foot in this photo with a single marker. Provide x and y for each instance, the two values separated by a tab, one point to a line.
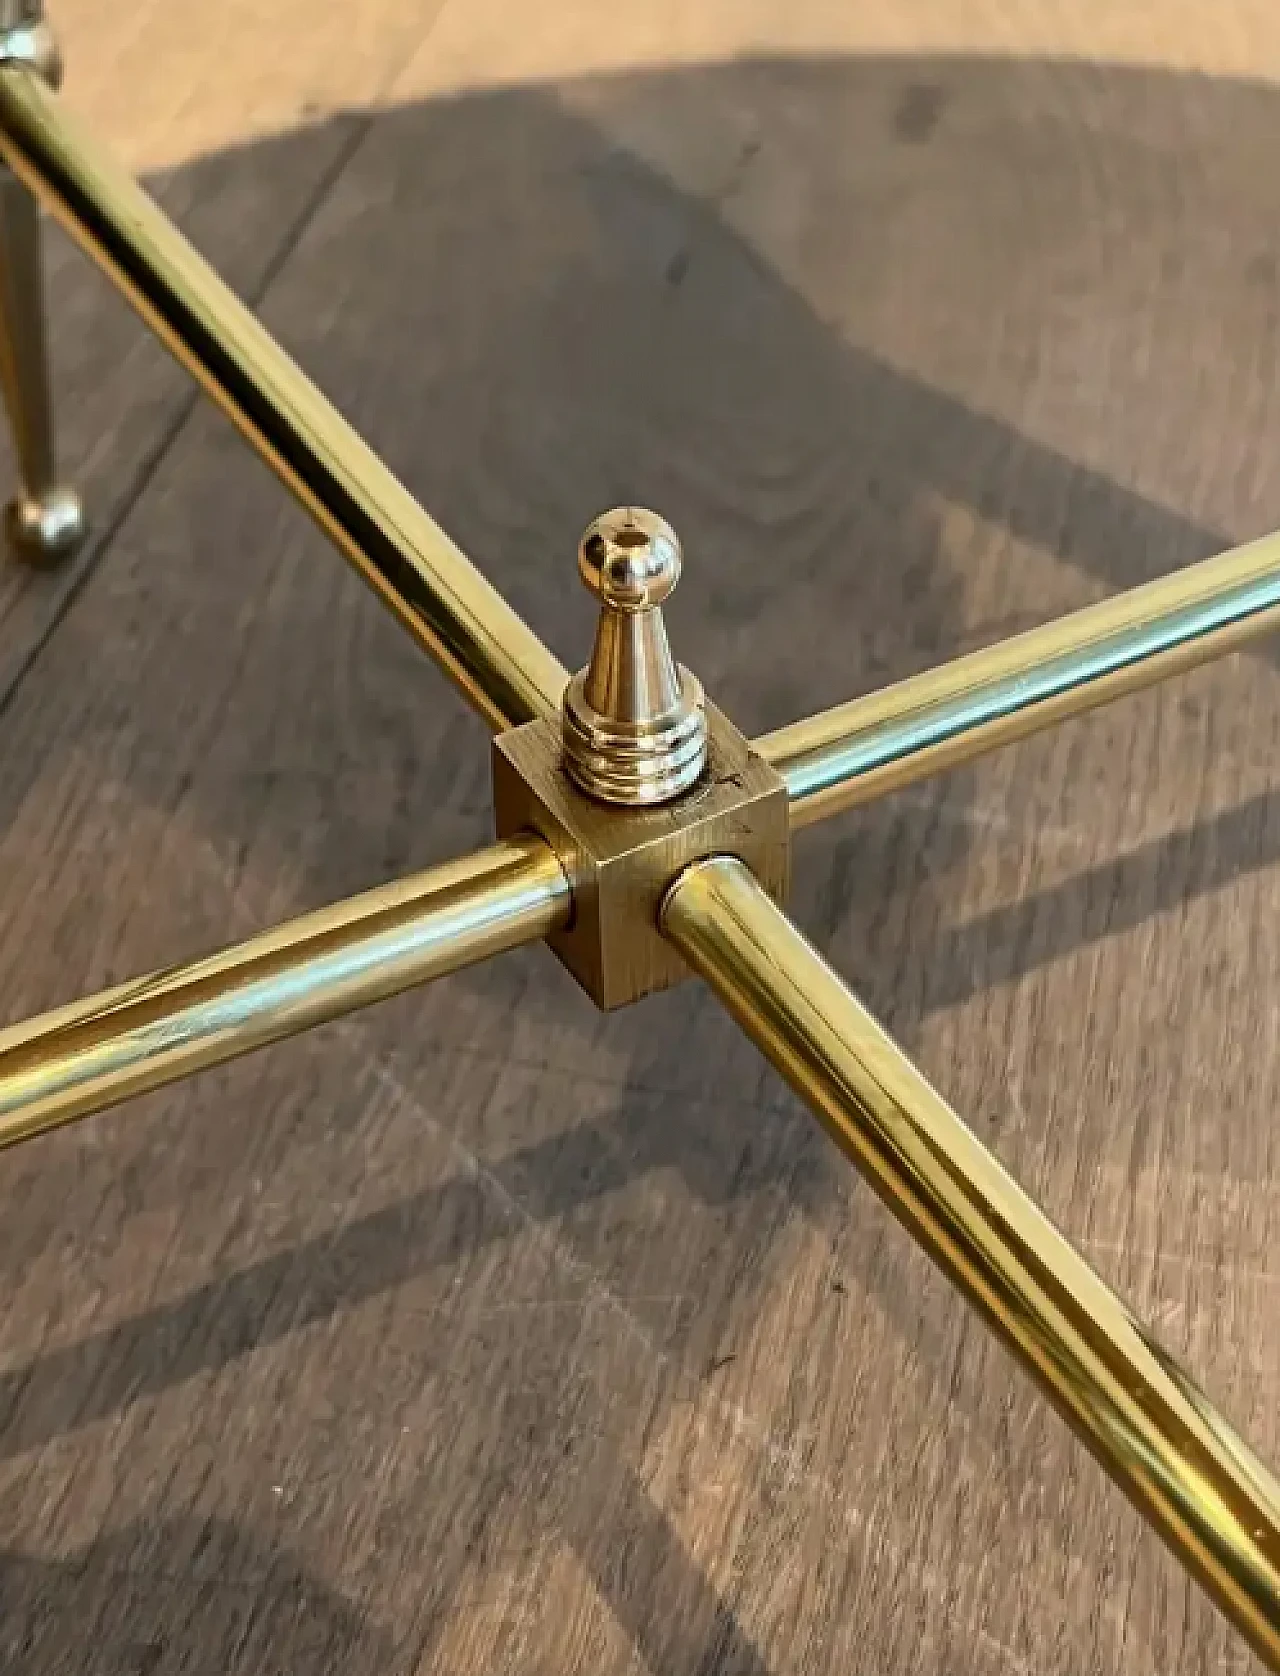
44	523
45	528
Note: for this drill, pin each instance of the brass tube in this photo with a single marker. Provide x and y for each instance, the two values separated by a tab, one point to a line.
137	1036
493	657
963	709
24	356
1212	1500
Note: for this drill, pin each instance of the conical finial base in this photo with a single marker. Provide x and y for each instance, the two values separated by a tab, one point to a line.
640	763
634	722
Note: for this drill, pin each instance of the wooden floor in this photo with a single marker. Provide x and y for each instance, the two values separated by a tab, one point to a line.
478	1333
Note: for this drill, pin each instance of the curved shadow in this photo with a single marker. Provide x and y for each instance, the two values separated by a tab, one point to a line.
531	316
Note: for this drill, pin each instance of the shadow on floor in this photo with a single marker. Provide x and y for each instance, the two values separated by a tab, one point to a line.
532	318
245	1605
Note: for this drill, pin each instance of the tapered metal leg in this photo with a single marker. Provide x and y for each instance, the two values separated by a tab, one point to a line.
495	659
1196	1482
45	520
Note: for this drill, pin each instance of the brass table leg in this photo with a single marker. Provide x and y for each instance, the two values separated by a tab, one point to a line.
45	521
606	788
460	619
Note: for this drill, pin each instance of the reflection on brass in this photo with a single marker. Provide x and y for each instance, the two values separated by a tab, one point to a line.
27	39
591	869
635	725
1159	1437
637	706
498	663
140	1035
45	521
963	709
620	861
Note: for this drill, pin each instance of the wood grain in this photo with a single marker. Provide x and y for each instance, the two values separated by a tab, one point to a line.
480	1331
193	85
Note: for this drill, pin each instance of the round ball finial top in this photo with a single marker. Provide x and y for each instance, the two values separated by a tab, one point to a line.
630	558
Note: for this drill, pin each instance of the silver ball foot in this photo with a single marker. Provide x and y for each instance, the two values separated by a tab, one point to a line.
46	529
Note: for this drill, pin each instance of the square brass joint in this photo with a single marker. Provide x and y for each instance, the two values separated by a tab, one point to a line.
621	861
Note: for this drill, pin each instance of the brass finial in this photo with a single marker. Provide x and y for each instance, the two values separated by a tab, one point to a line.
635	730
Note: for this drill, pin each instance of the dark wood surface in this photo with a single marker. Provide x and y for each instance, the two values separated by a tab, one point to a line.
481	1333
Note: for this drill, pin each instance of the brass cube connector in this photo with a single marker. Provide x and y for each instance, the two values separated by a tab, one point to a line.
621	861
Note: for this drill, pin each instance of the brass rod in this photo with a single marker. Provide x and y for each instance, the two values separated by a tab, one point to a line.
1215	1504
137	1036
493	657
963	709
24	352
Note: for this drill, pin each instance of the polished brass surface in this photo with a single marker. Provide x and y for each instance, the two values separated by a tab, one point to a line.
26	38
604	795
493	657
1156	1433
44	522
140	1035
619	861
634	723
960	710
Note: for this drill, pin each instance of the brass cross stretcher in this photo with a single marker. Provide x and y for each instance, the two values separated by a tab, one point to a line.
636	831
